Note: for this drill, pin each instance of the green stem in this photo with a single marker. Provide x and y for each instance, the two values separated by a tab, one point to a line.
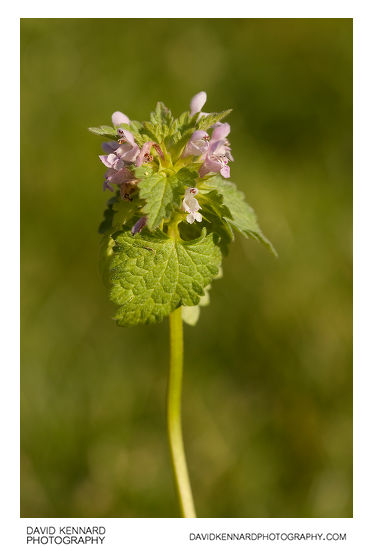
175	436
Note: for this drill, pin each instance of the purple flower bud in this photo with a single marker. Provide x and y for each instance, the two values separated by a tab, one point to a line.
140	224
197	102
118	118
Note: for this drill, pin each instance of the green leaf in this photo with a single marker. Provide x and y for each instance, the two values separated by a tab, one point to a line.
163	193
161	123
154	131
213	213
142	171
241	216
106	224
120	213
123	213
104	131
151	274
179	142
207	121
105	255
162	115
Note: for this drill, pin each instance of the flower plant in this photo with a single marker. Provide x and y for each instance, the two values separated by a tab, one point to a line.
170	220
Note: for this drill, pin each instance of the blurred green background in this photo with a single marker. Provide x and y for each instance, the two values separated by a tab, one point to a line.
268	376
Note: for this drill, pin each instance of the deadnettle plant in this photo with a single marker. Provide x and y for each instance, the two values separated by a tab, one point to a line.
161	246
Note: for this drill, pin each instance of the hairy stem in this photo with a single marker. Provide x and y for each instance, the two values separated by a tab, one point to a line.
175	436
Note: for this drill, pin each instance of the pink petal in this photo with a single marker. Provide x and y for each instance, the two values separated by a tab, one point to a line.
197	102
130	157
110	147
127	135
210	165
198	135
128	152
197	145
118	118
144	151
220	132
104	159
120	176
225	171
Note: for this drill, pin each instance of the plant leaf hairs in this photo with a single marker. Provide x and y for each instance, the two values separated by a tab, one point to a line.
167	225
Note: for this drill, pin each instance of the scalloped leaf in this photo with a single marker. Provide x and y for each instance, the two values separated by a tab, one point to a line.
104	131
207	121
150	275
162	193
241	216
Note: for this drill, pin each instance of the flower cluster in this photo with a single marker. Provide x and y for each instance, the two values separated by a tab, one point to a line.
214	152
124	153
156	146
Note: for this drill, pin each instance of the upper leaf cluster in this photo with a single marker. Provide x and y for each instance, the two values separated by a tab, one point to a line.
171	263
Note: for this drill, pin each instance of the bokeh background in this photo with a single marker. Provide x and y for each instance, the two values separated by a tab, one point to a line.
268	375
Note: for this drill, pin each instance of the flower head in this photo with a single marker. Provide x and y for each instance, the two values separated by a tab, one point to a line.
207	150
191	205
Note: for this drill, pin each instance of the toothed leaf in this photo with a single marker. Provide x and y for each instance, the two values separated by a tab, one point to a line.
150	274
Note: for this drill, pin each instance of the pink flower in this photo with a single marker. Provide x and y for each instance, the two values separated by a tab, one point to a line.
219	152
144	155
119	118
197	102
110	147
122	176
128	149
112	161
191	205
198	144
